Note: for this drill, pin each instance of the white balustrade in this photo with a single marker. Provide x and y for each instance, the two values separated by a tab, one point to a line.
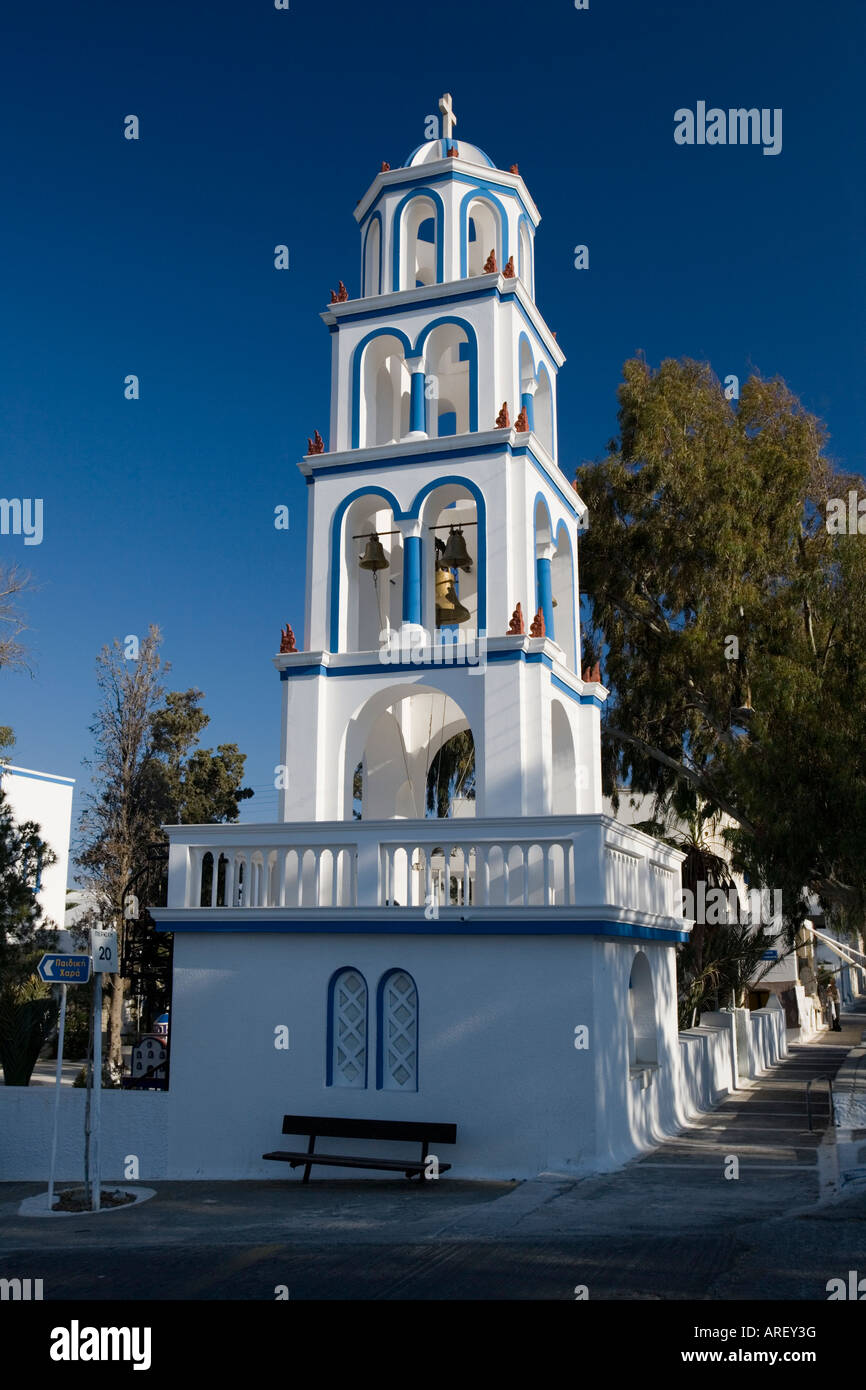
526	864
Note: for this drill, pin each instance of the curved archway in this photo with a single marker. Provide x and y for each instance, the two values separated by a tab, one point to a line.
372	256
642	1028
346	1063
387	347
563	799
562	584
524	254
544	420
490	219
451	370
374	597
395	735
418	259
397	1032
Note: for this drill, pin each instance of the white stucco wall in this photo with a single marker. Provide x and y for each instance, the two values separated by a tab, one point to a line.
46	799
134	1123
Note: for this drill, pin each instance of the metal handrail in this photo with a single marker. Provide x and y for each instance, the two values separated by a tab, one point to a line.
822	1077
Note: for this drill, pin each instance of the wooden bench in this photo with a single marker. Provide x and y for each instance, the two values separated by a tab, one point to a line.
326	1127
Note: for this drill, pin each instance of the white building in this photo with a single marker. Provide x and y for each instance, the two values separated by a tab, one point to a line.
511	969
46	799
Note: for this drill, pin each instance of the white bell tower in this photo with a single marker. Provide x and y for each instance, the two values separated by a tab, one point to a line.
435	509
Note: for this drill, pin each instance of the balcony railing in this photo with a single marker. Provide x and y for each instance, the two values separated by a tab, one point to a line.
466	867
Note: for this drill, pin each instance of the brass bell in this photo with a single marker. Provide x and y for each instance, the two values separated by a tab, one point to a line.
374	557
449	609
455	555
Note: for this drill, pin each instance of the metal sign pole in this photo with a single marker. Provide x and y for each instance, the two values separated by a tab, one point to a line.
57	1085
97	1089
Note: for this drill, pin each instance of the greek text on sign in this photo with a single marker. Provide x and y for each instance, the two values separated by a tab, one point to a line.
64	970
103	948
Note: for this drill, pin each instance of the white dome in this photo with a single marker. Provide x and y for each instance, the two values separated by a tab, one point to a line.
438	149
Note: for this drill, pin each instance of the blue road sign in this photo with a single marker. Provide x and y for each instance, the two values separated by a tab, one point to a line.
64	970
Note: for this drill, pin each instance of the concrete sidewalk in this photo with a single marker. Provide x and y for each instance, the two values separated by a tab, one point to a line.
670	1225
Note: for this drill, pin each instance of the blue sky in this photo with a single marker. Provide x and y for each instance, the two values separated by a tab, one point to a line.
261	127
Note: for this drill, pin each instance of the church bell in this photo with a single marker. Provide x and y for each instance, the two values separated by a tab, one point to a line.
455	555
449	609
374	557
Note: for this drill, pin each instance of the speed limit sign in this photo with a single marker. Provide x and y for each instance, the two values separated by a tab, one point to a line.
103	948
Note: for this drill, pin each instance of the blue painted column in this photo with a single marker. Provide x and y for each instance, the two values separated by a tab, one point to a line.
545	593
417	405
412	576
527	401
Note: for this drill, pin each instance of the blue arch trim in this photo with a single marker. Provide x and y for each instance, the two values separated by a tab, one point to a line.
329	1056
380	1027
481	531
472	337
357	361
365	288
422	191
336	540
483	193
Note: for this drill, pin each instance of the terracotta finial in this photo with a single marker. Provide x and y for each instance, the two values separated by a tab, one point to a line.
513	169
385	167
333	296
503	419
517	625
537	628
490	264
508	272
592	673
342	293
521	424
452	152
316	445
287	640
553	336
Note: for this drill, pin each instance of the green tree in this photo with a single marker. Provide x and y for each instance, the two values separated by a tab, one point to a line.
148	772
27	1009
732	624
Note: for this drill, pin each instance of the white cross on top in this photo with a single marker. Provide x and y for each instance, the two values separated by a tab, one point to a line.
449	120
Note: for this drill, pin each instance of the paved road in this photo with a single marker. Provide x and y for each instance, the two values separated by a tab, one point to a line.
670	1226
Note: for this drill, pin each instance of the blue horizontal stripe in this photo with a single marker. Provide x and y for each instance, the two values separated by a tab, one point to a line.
423	927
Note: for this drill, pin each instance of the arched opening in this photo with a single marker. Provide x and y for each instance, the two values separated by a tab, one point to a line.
562	583
385	392
526	379
447	357
544	411
563	800
450	593
372	257
484	234
373	598
544	549
418	256
524	255
397	1038
642	1030
347	1029
418	757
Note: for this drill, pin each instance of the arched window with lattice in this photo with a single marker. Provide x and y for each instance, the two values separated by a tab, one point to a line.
397	1043
347	1029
